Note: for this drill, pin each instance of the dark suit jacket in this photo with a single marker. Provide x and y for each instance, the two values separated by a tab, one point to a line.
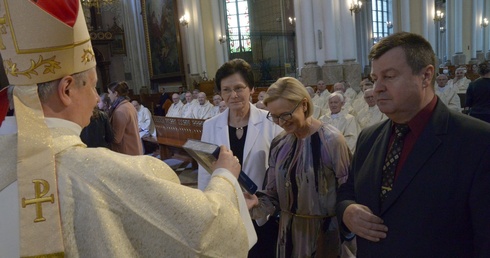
440	203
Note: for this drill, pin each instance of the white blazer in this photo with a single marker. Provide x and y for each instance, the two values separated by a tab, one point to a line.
260	133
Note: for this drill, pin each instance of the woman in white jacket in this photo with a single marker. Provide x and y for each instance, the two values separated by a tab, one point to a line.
246	131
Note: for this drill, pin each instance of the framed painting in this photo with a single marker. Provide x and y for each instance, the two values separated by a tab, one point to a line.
162	38
118	46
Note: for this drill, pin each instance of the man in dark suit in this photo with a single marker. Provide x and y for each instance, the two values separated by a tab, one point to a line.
436	200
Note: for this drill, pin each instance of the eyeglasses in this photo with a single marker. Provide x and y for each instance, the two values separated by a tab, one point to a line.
284	116
237	90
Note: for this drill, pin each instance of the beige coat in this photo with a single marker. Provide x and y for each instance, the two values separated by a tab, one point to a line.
124	122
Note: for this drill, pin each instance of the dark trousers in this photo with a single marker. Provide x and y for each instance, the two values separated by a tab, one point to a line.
267	239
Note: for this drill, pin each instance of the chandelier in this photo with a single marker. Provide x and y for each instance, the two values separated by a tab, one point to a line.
439	15
355	7
97	3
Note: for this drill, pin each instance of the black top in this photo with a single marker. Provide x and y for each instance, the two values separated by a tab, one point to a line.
159	109
99	132
237	145
478	96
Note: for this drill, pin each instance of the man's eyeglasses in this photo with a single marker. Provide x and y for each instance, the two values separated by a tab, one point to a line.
284	116
237	90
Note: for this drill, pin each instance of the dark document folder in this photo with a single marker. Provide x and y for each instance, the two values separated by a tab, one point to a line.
206	153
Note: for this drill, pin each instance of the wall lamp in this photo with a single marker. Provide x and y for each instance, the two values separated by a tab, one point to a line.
184	20
439	16
389	25
355	6
292	20
484	23
222	39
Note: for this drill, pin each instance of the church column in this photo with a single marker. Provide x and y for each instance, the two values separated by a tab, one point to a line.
405	14
458	58
351	68
136	59
477	54
331	69
299	42
428	24
449	34
219	28
486	34
364	35
199	42
311	72
190	39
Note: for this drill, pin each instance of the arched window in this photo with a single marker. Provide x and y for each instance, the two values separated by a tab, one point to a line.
382	19
238	26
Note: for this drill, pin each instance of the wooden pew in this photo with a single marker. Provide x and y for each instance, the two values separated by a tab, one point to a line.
173	132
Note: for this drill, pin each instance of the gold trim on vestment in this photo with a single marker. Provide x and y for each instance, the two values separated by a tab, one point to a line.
55	255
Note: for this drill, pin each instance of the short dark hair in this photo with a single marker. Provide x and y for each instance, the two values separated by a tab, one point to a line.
121	88
418	51
483	68
235	66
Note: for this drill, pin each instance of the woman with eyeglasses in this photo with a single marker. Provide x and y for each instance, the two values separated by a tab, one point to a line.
245	130
308	161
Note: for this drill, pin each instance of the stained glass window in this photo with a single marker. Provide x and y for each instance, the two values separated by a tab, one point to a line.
238	23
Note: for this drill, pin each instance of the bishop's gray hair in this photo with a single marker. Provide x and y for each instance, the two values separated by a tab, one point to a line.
46	89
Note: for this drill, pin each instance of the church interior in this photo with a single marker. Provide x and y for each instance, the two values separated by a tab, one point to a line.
170	45
164	58
153	44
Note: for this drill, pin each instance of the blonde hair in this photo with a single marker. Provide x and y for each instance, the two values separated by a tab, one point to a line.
290	89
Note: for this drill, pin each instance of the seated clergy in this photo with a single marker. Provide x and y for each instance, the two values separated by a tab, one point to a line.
202	110
145	120
216	100
343	121
350	92
360	103
317	110
175	109
187	108
460	82
320	99
341	87
370	115
447	94
222	106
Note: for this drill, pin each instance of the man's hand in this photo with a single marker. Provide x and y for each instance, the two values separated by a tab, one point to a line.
251	199
226	160
361	221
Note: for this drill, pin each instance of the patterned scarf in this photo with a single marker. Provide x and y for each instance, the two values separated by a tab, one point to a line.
115	104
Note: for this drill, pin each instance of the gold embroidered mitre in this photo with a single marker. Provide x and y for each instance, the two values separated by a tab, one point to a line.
40	41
